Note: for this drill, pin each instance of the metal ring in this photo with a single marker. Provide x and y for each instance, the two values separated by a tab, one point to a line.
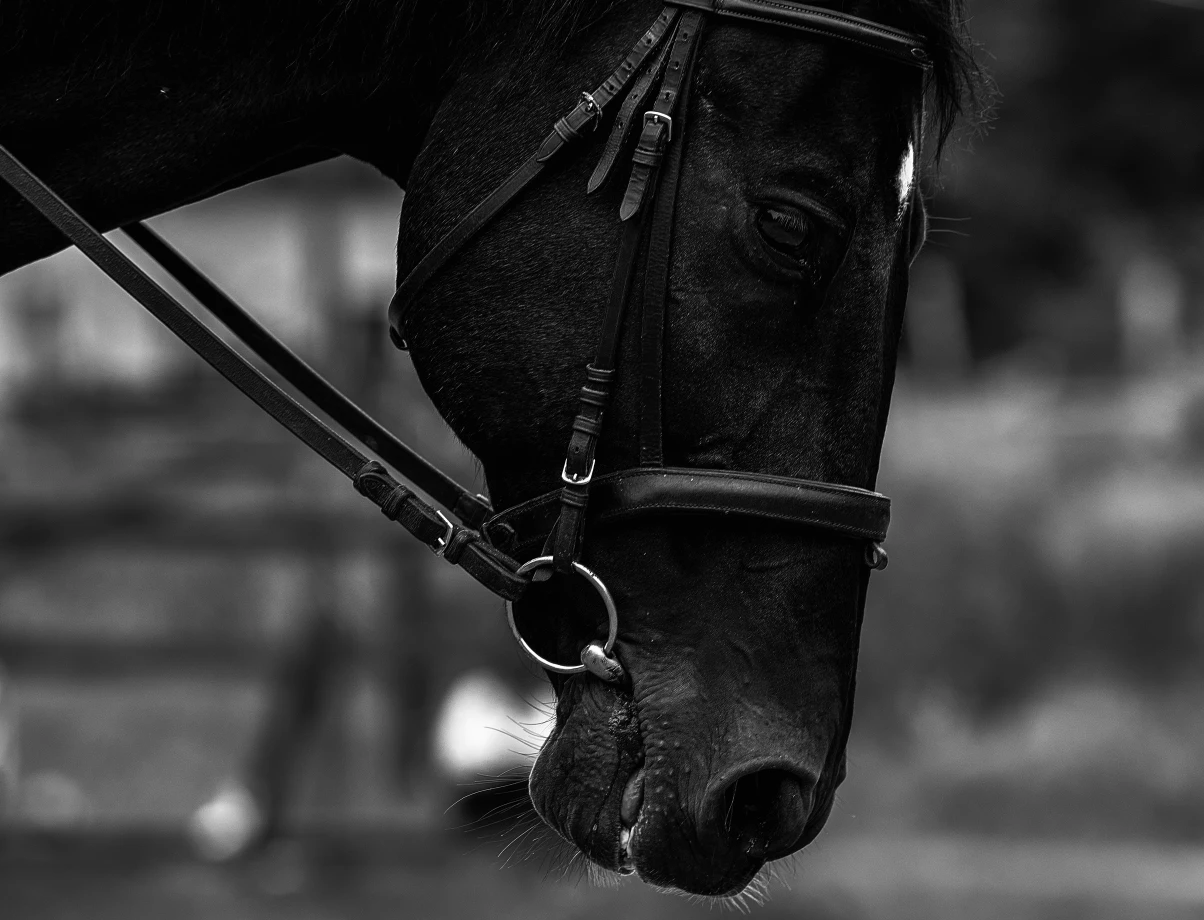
611	613
875	556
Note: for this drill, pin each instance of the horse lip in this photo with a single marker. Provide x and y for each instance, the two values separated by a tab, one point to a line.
626	860
633	799
630	809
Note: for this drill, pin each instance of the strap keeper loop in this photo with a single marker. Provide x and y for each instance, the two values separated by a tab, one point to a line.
454	546
370	471
591	427
394	501
599	375
565	130
596	398
648	158
573	498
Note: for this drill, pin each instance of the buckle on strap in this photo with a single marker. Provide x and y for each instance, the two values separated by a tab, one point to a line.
659	118
444	541
592	109
569	479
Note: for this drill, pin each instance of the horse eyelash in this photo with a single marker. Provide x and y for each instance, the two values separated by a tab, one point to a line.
789	221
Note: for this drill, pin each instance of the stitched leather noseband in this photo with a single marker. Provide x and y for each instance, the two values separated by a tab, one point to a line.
659	69
653	81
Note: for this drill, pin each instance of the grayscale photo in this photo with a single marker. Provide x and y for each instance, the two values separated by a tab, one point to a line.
602	458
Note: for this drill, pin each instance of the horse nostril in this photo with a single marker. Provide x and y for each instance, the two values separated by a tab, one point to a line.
765	813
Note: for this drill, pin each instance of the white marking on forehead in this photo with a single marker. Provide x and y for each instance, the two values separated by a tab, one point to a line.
907	175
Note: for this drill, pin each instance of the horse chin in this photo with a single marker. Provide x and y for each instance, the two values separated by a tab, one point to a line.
578	778
628	798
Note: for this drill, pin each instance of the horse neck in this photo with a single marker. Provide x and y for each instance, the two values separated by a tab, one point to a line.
132	109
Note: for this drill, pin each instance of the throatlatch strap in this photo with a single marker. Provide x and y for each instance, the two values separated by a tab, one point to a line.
567	129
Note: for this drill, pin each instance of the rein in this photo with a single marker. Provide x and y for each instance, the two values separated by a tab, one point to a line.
484	543
460	545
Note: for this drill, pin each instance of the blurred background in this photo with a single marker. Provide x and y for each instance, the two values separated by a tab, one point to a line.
207	638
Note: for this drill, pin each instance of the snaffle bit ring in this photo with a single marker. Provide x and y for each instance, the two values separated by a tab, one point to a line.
595	657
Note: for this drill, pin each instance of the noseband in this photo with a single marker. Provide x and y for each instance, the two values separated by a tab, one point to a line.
654	80
653	83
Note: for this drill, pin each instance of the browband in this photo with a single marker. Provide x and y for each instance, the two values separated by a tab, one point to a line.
895	44
844	510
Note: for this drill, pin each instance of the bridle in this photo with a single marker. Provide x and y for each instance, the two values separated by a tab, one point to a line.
654	79
653	83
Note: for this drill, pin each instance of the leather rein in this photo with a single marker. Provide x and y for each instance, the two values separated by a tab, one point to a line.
486	544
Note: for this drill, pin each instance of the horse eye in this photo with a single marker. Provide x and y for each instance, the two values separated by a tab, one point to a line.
788	231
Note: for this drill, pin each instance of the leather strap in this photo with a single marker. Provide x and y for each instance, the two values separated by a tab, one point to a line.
460	546
658	122
634	102
566	130
657	265
566	540
593	401
894	44
468	507
847	511
465	547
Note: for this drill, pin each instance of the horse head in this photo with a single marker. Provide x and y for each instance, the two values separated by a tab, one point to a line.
796	219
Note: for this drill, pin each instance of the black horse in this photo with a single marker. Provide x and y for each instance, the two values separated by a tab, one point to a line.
796	222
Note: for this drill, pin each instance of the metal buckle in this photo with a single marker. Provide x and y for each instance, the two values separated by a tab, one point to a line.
597	658
445	540
569	479
591	106
660	118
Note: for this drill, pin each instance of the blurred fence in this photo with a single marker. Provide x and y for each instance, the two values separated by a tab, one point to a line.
158	533
163	544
